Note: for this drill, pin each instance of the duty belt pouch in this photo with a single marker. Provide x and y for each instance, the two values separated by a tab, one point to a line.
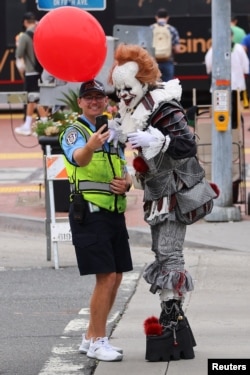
79	208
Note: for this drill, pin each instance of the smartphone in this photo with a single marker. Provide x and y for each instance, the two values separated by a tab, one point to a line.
101	120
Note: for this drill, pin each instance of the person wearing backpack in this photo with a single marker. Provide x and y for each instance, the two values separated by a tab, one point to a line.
32	74
166	43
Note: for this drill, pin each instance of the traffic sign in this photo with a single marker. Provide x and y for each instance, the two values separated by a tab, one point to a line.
55	167
83	4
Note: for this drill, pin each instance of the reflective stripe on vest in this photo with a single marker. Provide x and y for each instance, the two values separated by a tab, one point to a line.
90	185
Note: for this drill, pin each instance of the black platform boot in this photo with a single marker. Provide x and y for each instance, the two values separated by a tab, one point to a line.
176	341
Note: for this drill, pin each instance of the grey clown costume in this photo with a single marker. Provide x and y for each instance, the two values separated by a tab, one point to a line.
163	173
167	173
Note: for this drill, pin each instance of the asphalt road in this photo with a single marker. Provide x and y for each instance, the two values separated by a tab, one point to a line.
44	311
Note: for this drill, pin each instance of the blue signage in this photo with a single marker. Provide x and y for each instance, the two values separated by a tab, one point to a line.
83	4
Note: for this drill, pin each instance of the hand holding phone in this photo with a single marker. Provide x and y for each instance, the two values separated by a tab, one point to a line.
100	121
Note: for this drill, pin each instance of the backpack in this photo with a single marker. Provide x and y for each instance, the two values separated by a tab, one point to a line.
162	42
37	66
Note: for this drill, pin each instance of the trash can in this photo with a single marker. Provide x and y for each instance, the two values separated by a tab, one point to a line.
61	187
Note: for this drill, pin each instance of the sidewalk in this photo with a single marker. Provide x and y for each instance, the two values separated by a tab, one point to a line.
216	254
217	310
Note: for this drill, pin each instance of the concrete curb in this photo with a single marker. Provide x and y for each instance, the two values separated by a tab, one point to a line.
139	236
22	223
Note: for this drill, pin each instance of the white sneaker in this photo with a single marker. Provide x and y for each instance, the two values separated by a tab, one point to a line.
21	130
103	351
84	347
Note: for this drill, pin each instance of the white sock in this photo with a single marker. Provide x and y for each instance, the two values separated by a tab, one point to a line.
167	294
28	122
44	119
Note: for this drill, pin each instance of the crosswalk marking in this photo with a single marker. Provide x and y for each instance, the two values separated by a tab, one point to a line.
21	155
65	358
21	189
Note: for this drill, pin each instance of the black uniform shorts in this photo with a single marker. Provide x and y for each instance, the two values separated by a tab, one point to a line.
31	83
101	242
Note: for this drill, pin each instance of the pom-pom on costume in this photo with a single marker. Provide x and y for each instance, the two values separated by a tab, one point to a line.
154	122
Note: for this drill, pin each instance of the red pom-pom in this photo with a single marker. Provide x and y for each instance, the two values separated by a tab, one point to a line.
140	165
152	326
151	320
215	189
154	329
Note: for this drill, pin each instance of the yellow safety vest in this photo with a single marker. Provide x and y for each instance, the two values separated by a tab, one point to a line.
93	180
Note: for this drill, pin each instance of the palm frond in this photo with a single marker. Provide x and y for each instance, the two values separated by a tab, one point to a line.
70	100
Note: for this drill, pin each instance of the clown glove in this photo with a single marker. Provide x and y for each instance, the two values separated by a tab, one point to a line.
152	141
114	136
114	123
115	132
141	139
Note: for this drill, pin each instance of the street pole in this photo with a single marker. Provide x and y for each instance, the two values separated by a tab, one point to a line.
221	120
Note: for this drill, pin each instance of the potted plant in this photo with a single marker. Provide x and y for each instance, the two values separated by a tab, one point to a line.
48	134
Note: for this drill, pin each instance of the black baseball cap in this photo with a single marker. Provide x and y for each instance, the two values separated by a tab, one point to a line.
91	86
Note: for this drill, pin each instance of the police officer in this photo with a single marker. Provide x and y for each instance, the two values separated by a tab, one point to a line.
99	181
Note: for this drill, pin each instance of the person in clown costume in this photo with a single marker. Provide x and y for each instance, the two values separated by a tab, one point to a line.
152	119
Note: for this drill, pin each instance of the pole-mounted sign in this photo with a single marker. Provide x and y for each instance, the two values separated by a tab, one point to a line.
48	5
221	104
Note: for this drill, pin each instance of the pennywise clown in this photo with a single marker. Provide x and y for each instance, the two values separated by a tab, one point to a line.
154	122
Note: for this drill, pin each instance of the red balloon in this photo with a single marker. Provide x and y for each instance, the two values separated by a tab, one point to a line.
70	44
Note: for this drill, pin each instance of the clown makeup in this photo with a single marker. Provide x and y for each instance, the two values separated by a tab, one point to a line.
128	88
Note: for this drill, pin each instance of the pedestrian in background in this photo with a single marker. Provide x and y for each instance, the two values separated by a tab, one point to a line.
166	64
238	36
25	51
239	66
246	44
99	181
238	32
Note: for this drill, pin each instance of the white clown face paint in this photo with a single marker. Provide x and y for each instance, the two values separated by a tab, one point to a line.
128	88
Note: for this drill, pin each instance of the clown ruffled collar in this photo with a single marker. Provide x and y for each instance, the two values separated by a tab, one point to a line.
137	118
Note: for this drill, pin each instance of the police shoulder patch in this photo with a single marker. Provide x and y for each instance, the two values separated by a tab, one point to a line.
71	136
